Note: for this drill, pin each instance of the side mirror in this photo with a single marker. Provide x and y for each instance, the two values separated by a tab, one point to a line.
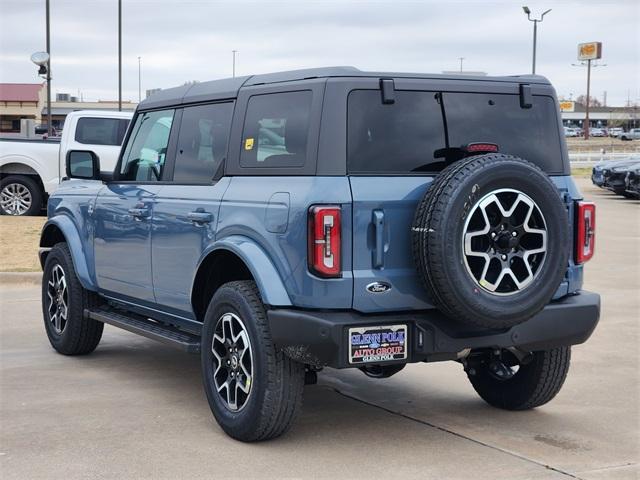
83	164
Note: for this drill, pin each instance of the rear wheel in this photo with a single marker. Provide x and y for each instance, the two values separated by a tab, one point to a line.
63	304
504	383
254	391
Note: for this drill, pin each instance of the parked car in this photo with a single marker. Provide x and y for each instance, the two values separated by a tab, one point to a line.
632	134
615	131
597	173
570	132
277	224
44	130
614	175
597	132
632	182
30	170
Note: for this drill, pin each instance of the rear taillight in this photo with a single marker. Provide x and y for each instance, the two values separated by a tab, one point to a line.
586	235
324	241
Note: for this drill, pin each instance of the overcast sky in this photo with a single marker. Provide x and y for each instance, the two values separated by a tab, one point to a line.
192	40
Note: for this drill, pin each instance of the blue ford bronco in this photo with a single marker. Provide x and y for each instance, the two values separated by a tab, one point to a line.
281	223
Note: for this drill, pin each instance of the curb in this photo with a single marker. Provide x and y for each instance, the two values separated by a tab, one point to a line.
13	278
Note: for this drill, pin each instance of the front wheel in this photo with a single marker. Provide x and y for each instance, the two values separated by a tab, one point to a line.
253	390
63	303
503	382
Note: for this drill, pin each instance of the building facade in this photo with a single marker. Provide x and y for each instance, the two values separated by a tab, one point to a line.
19	101
574	113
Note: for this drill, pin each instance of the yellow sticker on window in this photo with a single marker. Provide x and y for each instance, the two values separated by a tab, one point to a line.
248	144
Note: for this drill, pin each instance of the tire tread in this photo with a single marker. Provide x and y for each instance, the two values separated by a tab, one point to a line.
536	384
82	334
285	377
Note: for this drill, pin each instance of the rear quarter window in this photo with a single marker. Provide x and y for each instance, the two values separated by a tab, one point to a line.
101	131
276	130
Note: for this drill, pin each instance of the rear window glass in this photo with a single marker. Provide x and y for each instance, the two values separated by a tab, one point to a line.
393	138
276	130
101	131
529	133
409	135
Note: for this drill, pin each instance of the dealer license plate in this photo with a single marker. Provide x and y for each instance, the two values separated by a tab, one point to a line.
377	344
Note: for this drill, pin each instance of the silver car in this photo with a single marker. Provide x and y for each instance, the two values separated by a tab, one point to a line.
633	134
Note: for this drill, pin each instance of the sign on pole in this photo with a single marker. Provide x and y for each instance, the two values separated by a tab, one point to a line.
589	51
567	106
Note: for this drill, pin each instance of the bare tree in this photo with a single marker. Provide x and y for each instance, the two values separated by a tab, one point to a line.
593	101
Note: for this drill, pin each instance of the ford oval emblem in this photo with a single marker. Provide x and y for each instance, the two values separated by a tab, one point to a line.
378	287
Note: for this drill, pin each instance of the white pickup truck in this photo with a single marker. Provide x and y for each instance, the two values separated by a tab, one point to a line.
32	169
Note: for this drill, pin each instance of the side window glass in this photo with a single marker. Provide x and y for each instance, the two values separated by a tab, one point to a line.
101	131
202	142
276	130
146	151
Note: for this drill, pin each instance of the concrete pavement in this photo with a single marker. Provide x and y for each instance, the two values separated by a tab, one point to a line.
136	409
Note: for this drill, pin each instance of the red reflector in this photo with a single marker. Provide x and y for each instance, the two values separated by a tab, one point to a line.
586	234
480	147
325	241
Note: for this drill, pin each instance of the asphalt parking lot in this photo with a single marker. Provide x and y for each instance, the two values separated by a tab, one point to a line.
136	409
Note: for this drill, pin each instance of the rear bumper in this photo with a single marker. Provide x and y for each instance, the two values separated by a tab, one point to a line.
320	338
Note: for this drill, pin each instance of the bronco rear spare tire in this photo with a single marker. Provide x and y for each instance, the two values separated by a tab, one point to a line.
491	240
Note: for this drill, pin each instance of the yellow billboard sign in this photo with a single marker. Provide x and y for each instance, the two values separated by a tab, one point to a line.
590	51
567	106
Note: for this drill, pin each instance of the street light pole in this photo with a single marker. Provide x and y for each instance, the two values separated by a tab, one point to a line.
535	34
139	80
535	46
119	55
461	60
49	126
234	63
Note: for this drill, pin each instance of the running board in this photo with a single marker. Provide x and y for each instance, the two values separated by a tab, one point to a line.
147	328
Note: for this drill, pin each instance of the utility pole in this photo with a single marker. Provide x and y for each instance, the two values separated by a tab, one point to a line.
461	60
234	63
139	80
48	40
119	55
535	34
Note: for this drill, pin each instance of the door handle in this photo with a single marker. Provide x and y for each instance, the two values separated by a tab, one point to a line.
139	213
199	217
378	227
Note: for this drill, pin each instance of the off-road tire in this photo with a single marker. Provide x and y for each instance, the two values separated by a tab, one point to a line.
277	385
438	229
80	335
34	190
534	384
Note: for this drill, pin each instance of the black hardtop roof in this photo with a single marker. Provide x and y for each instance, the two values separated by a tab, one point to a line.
228	87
